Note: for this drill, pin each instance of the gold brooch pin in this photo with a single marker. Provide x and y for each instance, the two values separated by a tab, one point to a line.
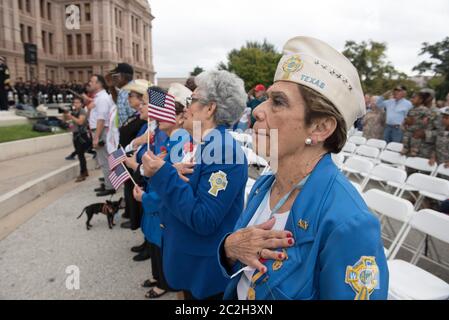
277	265
303	224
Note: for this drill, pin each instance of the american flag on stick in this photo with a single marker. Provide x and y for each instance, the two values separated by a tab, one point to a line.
161	106
119	176
116	158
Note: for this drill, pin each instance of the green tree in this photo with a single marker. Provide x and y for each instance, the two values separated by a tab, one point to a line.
255	63
438	64
376	73
196	71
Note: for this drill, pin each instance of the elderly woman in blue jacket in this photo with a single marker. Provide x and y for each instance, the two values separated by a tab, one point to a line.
306	232
198	210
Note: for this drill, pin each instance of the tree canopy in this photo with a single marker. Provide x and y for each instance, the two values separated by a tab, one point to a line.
438	64
255	63
377	74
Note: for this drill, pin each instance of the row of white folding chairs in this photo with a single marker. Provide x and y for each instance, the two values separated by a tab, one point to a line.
427	186
373	153
407	281
376	143
397	160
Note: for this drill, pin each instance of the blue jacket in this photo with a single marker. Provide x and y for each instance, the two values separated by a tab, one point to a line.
196	215
150	223
338	251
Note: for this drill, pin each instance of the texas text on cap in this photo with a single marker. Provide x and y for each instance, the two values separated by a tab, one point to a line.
123	68
312	63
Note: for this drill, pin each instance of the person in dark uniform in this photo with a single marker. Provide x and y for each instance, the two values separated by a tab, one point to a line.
4	81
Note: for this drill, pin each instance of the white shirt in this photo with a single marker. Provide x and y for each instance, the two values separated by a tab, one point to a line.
262	215
102	108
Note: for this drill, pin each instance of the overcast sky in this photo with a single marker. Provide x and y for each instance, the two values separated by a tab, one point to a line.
201	32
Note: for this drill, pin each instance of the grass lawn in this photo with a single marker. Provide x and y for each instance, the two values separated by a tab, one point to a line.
19	132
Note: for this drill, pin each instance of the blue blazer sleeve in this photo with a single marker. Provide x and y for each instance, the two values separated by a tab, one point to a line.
350	249
150	202
200	211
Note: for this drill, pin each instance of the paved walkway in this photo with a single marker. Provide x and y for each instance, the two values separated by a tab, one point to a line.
34	258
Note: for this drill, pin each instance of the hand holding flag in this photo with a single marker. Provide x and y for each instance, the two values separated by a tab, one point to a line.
151	164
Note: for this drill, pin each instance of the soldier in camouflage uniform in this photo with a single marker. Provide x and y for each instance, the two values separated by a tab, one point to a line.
426	148
441	152
417	119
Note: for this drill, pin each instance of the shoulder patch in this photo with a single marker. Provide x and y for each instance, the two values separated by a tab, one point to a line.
363	277
218	182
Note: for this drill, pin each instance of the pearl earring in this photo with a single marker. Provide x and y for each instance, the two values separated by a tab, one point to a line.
309	141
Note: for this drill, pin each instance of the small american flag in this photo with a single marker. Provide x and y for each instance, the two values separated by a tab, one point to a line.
161	106
116	158
119	176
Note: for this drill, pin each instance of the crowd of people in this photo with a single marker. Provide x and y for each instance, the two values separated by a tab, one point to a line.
187	192
34	92
304	232
420	123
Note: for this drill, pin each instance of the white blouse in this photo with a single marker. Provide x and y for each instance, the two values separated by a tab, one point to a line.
262	215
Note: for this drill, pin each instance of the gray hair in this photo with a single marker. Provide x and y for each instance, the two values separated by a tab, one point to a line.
227	91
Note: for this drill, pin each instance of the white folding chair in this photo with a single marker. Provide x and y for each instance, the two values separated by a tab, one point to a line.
348	149
392	158
420	164
357	133
395	147
376	143
355	165
442	170
357	140
338	159
408	281
394	177
368	152
387	205
428	186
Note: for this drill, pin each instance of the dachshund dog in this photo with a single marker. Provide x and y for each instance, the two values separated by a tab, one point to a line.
109	209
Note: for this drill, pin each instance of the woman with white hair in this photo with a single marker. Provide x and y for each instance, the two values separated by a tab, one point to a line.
198	209
306	232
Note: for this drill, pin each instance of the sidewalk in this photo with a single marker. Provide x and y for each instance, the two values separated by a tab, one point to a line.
34	258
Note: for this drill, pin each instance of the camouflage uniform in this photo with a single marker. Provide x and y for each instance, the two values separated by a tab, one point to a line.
433	127
442	146
420	117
